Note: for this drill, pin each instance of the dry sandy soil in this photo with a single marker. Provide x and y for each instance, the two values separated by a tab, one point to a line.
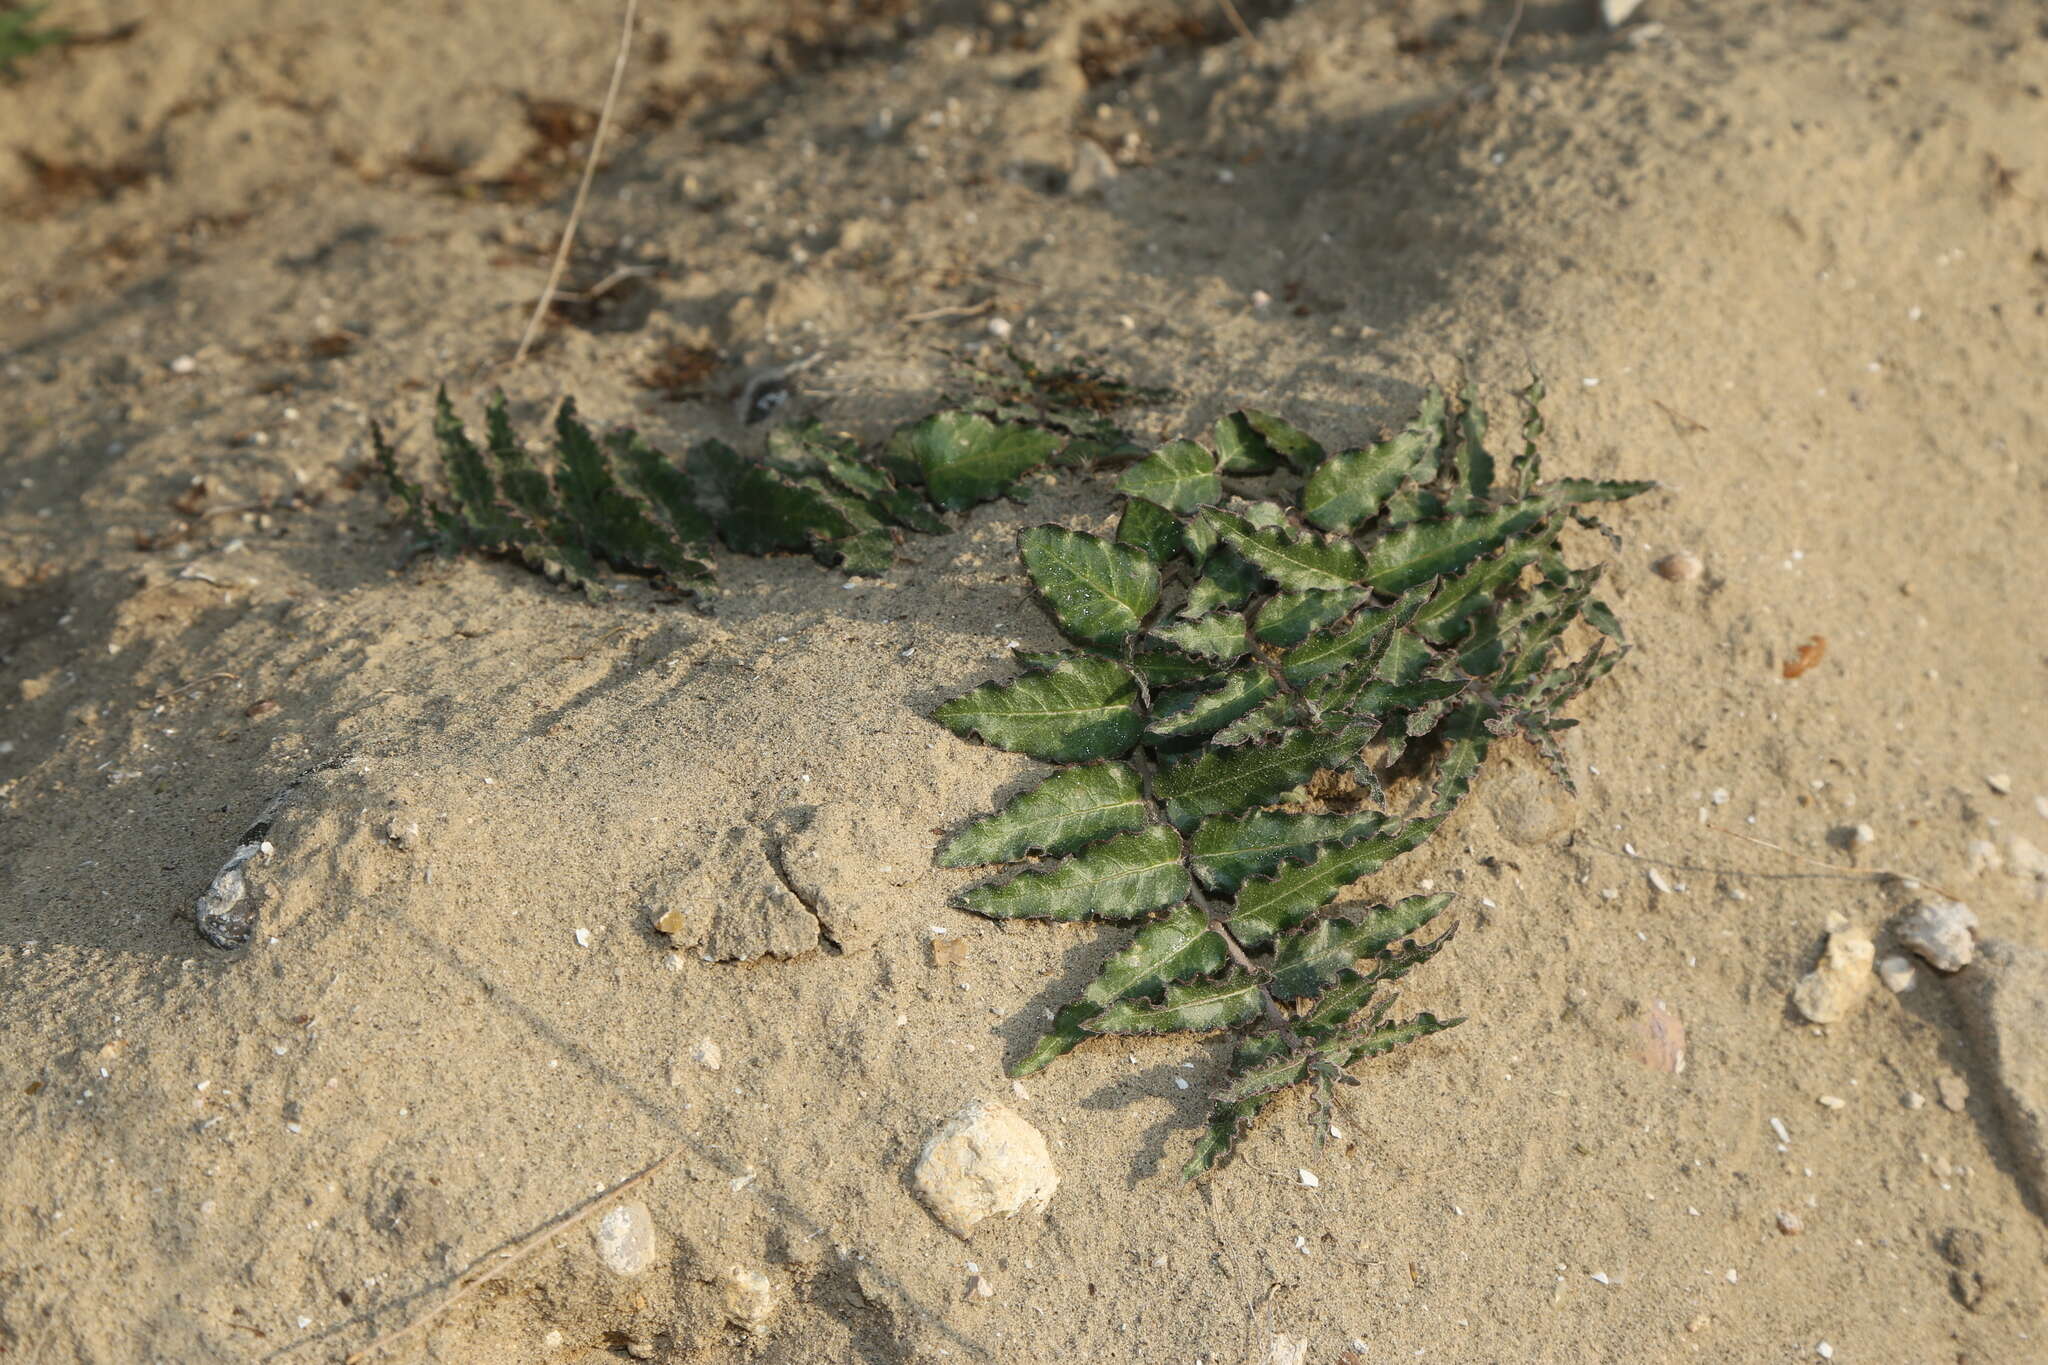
1791	260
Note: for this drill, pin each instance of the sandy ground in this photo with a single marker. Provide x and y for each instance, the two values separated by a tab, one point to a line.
1787	259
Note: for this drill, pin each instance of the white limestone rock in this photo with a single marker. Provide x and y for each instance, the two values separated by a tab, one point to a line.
984	1160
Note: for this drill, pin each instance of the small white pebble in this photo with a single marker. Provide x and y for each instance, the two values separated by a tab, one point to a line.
1897	974
1719	796
1825	1351
1181	1082
1608	893
1913	1099
1308	1178
1833	1102
582	938
1778	1127
1590	383
1731	1276
184	364
1999	783
1261	299
999	328
1657	881
1862	836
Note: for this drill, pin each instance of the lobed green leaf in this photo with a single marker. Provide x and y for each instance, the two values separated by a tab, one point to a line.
1119	878
1066	811
1227	850
965	459
1353	485
1080	709
1179	476
1100	592
1198	1007
1235	778
1294	560
1270	906
1309	959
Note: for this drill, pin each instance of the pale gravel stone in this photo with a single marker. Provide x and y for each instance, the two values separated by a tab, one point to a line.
751	1298
625	1238
2025	860
985	1160
1682	567
1897	973
1282	1349
1841	979
1942	932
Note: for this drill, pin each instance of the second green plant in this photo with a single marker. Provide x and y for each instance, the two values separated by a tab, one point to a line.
1242	674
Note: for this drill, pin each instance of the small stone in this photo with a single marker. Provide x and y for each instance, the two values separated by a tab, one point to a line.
707	1055
1658	882
1861	836
999	328
1942	932
1789	1223
1282	1349
1261	299
1615	13
184	364
1897	973
1913	1099
582	938
751	1299
1832	1102
1662	1037
1093	169
984	1160
1981	856
1954	1092
625	1239
981	1288
1999	782
1682	567
1699	1323
669	922
1842	978
2028	863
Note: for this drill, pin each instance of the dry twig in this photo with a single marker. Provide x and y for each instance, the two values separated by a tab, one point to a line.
604	119
476	1278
